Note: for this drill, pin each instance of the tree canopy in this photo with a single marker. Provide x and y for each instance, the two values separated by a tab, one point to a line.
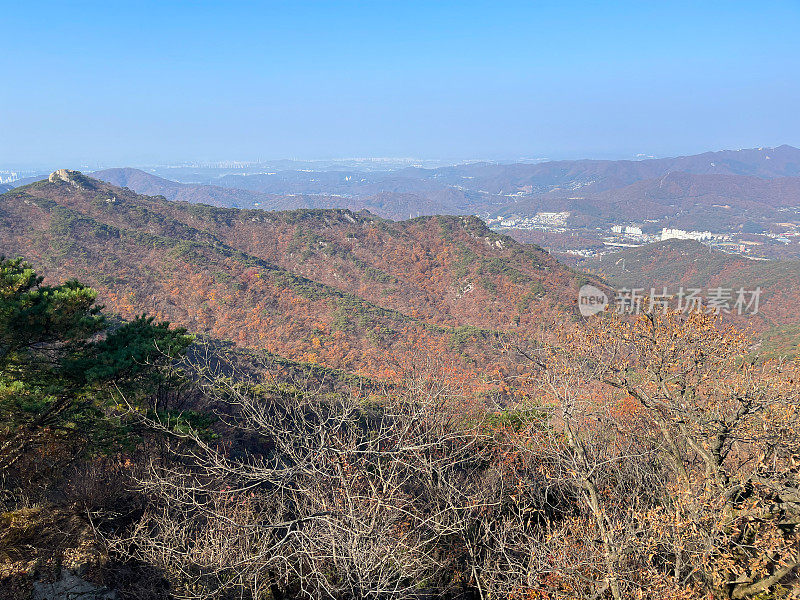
62	360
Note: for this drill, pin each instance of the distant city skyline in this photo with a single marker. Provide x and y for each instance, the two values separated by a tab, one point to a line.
165	82
384	162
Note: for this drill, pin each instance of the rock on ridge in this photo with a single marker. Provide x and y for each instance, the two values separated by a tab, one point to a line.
65	175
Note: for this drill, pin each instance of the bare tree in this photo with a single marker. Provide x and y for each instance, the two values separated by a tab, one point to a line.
325	494
712	501
649	458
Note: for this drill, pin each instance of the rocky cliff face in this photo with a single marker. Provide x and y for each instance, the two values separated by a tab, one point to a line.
65	175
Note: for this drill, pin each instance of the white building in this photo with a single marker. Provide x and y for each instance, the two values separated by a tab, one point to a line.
633	230
680	234
552	218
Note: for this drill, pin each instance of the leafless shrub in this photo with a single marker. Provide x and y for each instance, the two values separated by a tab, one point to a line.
338	496
648	460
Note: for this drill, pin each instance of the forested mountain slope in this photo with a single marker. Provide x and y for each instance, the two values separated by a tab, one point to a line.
675	264
344	289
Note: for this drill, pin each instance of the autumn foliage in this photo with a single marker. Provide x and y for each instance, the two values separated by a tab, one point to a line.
645	458
402	410
329	287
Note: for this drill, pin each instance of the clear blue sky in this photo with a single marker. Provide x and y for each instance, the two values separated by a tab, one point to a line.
140	82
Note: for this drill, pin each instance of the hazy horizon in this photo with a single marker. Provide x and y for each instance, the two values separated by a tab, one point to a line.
389	162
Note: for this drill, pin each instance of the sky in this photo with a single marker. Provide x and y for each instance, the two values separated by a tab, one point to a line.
130	83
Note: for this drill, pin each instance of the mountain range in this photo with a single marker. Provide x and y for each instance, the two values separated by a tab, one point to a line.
381	198
348	290
723	187
153	185
676	199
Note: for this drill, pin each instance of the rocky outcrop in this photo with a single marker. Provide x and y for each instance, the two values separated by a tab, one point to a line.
65	175
70	586
47	552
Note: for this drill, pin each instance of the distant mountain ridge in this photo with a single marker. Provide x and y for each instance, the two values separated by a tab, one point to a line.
687	199
599	175
500	179
593	189
395	203
153	185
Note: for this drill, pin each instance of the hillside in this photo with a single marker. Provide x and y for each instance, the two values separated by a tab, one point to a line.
152	185
689	264
331	286
696	201
398	199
